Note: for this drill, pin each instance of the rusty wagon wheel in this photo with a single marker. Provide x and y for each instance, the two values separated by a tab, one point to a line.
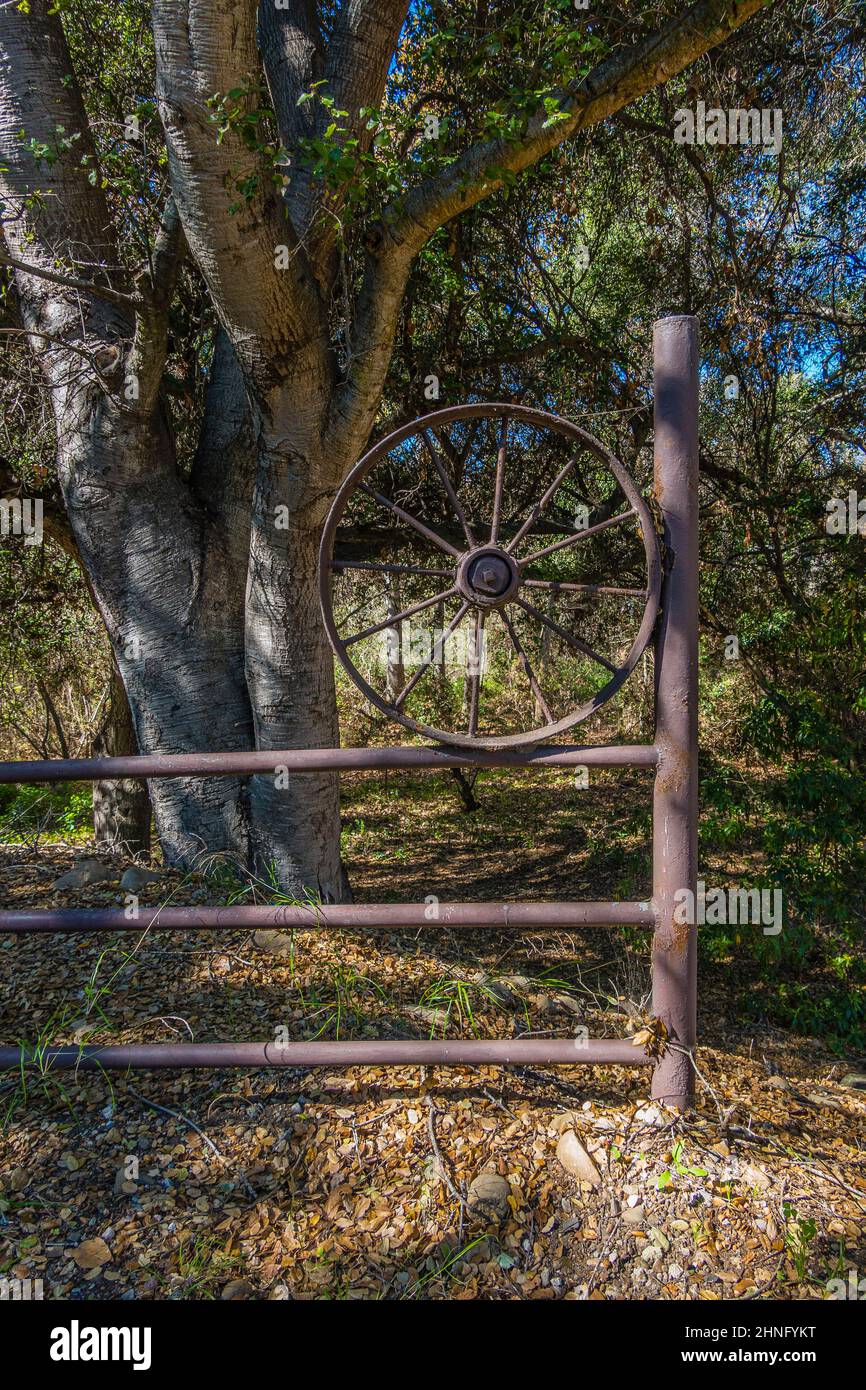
459	504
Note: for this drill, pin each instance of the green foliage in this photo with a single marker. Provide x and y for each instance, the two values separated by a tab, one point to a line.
62	812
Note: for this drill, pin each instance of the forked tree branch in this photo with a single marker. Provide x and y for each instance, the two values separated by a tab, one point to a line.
233	214
353	69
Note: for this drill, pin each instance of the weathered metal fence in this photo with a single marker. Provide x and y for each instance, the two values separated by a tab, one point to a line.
672	754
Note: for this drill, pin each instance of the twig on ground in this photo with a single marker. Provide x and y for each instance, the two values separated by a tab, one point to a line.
184	1119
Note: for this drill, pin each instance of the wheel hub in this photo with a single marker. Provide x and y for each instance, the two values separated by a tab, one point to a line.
488	577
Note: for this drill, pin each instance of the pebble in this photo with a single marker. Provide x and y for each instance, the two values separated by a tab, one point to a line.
575	1159
649	1115
86	871
135	878
488	1196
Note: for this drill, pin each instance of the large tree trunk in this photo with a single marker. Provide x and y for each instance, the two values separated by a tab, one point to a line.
289	665
166	558
290	671
170	603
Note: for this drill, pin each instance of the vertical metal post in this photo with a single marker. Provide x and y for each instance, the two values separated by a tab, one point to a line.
675	796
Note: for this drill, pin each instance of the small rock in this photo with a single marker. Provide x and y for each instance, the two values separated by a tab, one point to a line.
123	1185
649	1115
18	1180
825	1101
650	1253
675	1271
498	989
659	1239
488	1197
778	1083
566	1119
569	1004
136	878
237	1289
755	1177
86	871
92	1254
634	1216
435	1019
575	1159
855	1080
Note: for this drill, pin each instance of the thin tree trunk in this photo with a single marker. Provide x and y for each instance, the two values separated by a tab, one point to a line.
121	810
395	674
290	670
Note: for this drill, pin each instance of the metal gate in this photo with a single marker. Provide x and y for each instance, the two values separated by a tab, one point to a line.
486	576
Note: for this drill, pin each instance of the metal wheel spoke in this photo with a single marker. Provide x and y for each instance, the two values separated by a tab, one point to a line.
500	481
388	569
449	487
583	588
566	636
540	505
397	618
428	662
578	536
410	520
527	668
474	678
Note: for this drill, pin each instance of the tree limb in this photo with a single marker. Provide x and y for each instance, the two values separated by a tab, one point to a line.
57	277
233	214
620	79
354	70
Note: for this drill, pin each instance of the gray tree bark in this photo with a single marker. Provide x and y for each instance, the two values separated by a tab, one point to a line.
121	810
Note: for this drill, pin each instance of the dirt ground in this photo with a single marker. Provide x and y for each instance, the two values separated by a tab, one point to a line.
286	1184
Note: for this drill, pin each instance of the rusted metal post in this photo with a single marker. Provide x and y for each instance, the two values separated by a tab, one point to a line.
675	797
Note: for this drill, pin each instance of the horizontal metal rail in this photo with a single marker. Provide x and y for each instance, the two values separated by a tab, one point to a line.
473	1052
249	763
387	916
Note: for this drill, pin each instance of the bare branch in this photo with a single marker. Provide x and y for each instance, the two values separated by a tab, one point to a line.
58	277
